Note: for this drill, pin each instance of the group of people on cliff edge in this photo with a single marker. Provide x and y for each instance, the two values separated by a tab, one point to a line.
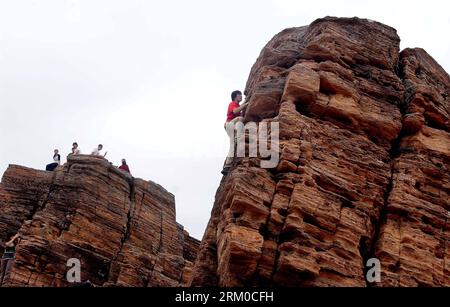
77	151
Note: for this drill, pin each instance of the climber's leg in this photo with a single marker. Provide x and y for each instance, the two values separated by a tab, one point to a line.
230	128
5	270
8	268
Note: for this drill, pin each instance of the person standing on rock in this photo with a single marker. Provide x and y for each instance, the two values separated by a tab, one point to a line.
96	151
8	256
56	161
124	166
234	116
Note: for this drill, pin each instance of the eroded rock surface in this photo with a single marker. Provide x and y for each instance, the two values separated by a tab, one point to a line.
363	171
122	229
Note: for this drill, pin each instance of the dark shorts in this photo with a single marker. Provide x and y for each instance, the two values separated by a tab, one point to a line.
51	167
8	255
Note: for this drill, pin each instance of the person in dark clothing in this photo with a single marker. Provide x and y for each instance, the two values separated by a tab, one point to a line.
124	166
8	256
56	161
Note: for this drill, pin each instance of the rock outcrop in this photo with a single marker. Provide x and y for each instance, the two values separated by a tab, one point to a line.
123	230
363	172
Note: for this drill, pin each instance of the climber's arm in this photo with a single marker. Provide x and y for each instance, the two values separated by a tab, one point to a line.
11	242
242	107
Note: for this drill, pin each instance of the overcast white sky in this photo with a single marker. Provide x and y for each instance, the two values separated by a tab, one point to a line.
151	80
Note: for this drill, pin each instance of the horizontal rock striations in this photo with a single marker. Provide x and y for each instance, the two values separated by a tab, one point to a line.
121	229
363	171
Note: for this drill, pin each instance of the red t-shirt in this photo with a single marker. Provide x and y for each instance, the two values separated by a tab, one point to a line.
231	107
124	168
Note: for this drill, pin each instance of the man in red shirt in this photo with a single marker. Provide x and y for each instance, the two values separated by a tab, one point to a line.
234	115
124	166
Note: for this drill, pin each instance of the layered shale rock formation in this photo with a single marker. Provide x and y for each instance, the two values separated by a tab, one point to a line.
123	230
364	169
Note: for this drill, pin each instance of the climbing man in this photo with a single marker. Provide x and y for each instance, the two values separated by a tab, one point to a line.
8	256
124	166
56	161
234	116
96	151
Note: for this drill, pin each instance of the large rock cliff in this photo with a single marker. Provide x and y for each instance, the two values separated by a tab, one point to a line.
121	229
363	173
364	168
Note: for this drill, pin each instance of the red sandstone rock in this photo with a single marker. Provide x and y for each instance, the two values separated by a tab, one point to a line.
363	171
123	230
413	243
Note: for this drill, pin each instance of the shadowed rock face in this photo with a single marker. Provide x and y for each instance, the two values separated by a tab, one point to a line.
123	230
363	171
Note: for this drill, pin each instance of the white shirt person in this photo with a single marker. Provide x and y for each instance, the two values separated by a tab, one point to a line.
56	161
97	151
